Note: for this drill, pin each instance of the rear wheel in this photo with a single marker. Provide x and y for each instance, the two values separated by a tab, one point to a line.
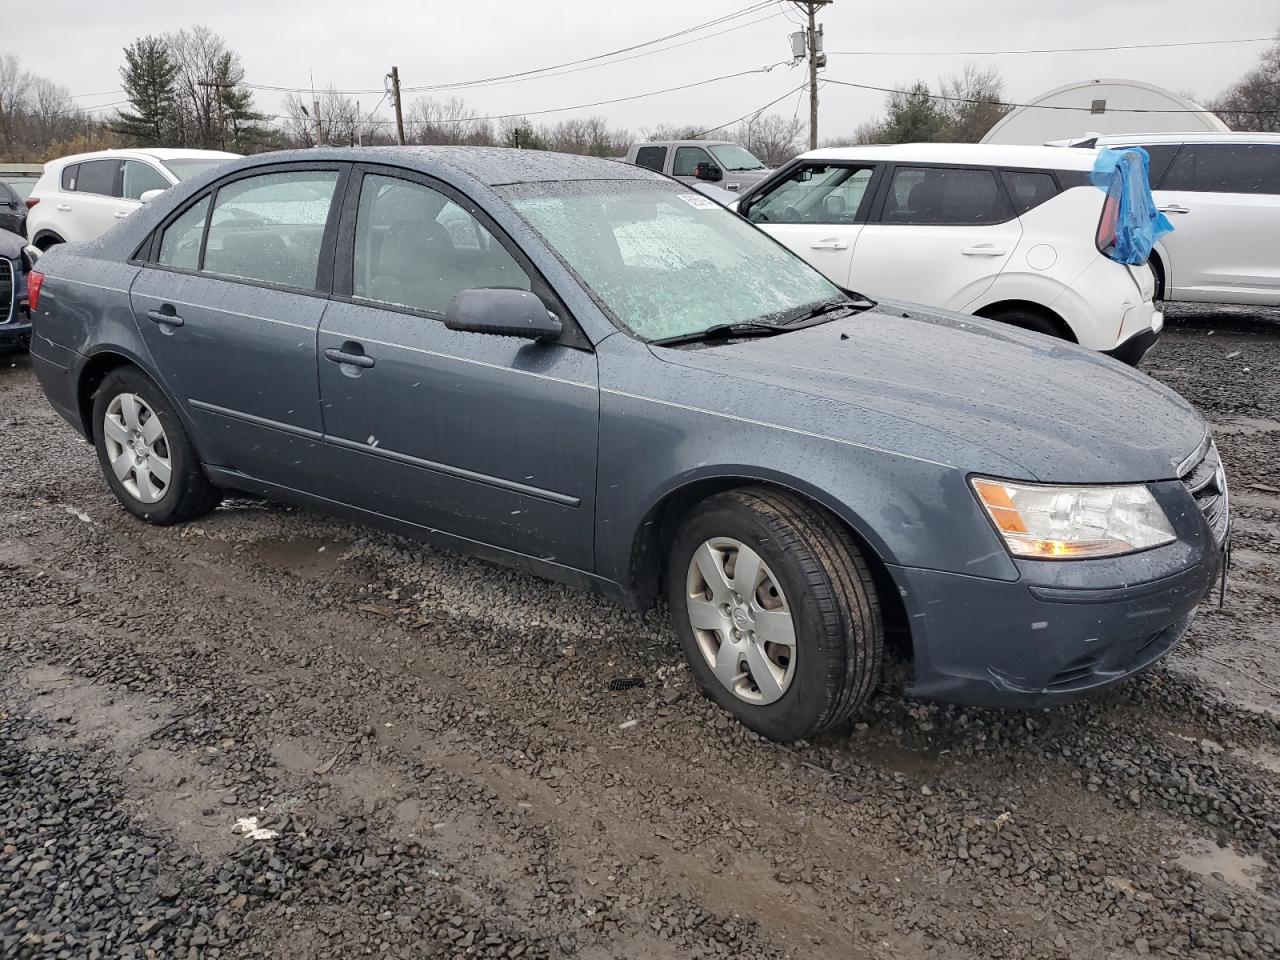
775	609
1027	318
145	453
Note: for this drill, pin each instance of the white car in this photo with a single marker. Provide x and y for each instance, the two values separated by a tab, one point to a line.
1009	233
81	197
1221	192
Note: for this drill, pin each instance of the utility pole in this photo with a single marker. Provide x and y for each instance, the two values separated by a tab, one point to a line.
813	42
395	96
218	86
315	118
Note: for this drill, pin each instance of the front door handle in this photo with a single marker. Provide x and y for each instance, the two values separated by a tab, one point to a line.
1174	208
830	243
983	250
121	214
353	359
166	316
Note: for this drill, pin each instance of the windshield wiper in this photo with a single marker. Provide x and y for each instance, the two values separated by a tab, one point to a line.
721	331
820	312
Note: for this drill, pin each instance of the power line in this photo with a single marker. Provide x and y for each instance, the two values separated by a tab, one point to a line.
1032	106
995	53
716	21
750	113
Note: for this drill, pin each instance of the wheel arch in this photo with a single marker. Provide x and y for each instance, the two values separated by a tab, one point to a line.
44	239
91	375
656	532
1161	270
989	310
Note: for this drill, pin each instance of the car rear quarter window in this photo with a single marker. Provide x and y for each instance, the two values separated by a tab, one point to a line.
1029	188
98	177
69	174
945	196
139	177
180	242
651	157
416	248
269	227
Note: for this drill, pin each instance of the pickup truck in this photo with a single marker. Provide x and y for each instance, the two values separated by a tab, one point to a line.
714	161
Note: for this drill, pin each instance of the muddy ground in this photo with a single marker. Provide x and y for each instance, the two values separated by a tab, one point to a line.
270	734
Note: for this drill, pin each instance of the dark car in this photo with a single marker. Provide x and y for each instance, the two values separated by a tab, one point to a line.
13	209
592	373
16	261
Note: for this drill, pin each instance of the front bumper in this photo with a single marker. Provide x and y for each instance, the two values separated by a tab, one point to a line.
1132	350
1063	629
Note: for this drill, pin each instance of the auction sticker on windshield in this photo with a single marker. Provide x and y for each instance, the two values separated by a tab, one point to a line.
698	200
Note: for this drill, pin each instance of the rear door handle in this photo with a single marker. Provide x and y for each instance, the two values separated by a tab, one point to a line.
1174	208
830	243
166	316
983	250
64	207
354	359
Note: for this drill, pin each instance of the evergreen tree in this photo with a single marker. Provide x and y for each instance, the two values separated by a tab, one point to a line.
913	117
149	76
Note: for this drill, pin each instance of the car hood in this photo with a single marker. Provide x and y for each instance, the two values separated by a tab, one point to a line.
907	377
11	245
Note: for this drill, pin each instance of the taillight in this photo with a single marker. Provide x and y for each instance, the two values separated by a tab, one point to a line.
32	201
35	280
1107	225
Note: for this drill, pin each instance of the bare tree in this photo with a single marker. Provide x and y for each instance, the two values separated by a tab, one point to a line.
1253	101
341	121
451	121
972	102
773	138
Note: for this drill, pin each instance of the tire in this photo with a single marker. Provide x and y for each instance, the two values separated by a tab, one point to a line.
1157	268
1025	318
145	453
810	570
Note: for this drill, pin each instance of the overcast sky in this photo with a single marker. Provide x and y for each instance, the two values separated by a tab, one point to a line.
352	45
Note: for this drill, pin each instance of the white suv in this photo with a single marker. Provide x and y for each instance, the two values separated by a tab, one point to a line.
1221	192
81	197
1005	232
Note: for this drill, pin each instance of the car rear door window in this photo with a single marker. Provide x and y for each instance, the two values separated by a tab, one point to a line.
815	193
687	160
269	227
180	242
1028	189
98	177
416	248
651	157
1161	156
945	197
139	177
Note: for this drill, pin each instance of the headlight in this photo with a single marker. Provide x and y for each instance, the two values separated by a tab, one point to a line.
1047	522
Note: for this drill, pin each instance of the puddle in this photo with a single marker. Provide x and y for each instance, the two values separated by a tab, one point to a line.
303	557
895	758
1206	859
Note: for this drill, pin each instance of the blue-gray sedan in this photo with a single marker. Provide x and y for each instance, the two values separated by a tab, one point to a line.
595	374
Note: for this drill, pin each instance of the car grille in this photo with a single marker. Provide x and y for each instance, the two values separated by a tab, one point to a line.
1207	483
8	290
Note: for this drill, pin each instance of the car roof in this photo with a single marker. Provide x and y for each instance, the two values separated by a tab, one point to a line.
685	143
154	153
491	166
1139	138
980	154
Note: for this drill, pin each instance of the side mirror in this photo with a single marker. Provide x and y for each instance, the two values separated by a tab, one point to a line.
502	313
149	195
708	171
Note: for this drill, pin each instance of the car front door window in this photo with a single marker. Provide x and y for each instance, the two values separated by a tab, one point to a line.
416	248
139	177
687	160
814	194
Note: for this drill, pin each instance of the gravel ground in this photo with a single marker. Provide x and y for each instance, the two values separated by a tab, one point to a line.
270	734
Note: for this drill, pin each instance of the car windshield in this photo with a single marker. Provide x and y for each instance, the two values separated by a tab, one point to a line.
733	157
665	261
186	169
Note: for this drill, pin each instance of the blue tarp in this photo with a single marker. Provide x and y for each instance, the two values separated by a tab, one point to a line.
1124	176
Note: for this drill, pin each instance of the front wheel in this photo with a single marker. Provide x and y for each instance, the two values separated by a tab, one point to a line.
145	453
776	611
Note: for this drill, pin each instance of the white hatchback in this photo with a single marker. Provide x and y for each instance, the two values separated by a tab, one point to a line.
1010	233
81	197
